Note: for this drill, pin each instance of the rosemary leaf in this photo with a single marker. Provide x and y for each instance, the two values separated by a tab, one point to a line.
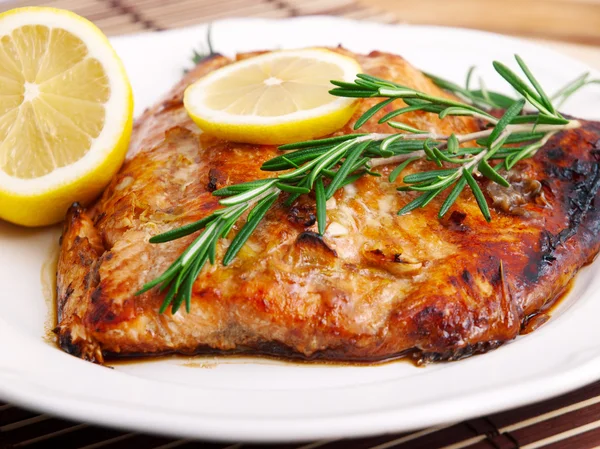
526	151
418	202
368	84
454	110
521	87
479	197
510	113
429	197
536	85
396	172
371	112
484	92
469	151
345	169
428	176
405	127
352	178
569	89
352	93
294	196
448	85
498	100
539	119
168	299
430	153
441	156
185	291
486	170
513	138
388	141
397	92
243	187
469	76
242	236
248	194
426	105
232	219
380	81
344	84
453	145
328	160
397	112
178	233
167	281
292	189
403	146
321	201
330	141
295	159
452	197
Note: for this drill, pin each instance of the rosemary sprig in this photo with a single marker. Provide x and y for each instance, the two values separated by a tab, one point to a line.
205	51
324	166
487	99
258	197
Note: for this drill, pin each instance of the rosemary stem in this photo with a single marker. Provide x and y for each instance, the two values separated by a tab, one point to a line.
486	118
549	129
251	202
376	162
545	139
476	135
478	158
510	128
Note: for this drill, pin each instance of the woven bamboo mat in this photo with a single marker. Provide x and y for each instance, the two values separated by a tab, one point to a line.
568	422
571	421
128	16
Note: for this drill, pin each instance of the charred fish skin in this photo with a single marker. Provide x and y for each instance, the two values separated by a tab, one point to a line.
374	286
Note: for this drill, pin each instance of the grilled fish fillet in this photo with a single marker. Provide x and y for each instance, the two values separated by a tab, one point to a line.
375	286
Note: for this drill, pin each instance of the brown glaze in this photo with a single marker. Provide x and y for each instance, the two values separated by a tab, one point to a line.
541	317
375	286
254	355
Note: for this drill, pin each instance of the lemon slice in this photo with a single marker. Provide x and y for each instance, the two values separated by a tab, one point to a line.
66	113
274	98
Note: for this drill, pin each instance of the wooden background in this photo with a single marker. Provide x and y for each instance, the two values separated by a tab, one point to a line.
570	26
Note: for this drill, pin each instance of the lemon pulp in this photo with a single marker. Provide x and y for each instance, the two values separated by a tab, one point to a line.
51	100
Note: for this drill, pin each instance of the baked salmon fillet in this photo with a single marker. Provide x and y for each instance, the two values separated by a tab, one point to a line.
376	285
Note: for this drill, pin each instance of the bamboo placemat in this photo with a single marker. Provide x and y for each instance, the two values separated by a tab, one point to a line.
128	16
571	421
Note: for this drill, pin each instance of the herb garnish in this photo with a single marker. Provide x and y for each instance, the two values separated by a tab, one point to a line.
324	166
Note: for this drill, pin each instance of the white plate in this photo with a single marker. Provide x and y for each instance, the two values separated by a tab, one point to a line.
254	400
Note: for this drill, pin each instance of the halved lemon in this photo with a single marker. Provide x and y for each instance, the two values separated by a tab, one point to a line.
274	98
66	112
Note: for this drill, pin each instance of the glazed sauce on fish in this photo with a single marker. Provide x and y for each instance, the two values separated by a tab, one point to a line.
538	319
202	360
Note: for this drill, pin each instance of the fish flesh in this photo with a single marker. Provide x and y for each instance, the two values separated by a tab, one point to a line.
375	286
